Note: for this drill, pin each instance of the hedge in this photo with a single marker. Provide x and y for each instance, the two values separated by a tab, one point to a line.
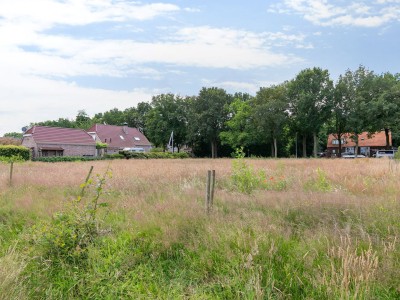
78	158
121	154
153	155
11	151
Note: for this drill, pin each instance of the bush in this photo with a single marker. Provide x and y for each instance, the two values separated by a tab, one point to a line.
153	155
113	156
156	150
319	184
66	158
78	158
67	236
17	158
19	152
397	155
243	177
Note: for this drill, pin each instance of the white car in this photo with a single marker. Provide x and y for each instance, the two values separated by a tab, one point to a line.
385	153
352	155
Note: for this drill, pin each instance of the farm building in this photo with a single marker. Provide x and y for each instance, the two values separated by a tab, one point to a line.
367	144
119	137
57	141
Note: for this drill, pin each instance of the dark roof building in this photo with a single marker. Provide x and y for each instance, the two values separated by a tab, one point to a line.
57	141
119	137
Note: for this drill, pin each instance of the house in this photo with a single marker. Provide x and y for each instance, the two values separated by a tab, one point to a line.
119	137
367	144
57	141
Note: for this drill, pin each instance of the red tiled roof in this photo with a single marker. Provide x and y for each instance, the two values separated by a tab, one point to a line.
377	139
58	135
120	136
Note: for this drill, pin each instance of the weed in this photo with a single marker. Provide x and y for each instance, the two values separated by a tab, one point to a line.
243	177
318	184
67	236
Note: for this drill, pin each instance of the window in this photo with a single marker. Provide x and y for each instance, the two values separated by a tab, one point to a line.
336	142
122	138
137	138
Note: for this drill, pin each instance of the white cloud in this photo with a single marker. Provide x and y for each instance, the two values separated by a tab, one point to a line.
239	86
42	99
37	64
42	14
359	13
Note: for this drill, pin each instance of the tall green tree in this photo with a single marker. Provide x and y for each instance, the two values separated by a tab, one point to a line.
309	103
270	114
136	116
238	132
111	117
360	91
82	120
16	135
385	106
168	114
209	113
343	95
61	122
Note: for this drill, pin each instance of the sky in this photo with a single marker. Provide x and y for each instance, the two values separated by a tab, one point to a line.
61	56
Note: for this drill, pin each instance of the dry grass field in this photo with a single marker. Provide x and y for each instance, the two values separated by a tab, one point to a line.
310	229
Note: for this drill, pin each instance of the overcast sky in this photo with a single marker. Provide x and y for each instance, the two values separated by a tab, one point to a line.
61	56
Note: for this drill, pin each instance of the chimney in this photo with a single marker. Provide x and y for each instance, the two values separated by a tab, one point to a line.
125	128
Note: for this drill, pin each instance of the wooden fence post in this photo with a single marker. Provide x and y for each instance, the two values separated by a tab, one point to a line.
210	187
86	181
208	192
11	172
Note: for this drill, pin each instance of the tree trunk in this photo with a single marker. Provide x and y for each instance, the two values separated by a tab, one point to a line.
304	146
340	145
315	143
387	138
214	149
272	150
275	148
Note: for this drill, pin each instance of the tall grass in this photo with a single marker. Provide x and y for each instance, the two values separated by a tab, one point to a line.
332	232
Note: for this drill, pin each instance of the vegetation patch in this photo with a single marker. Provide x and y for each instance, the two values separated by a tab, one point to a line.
120	238
14	152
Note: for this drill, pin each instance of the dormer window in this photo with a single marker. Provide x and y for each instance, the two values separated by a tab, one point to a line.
137	138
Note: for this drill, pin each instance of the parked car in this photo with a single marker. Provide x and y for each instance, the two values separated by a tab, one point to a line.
385	153
134	149
352	155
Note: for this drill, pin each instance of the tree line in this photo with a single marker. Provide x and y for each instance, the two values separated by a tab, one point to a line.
282	120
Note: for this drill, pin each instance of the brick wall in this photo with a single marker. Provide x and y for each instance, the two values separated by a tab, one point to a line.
73	150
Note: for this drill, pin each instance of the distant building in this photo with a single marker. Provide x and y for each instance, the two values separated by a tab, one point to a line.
367	145
57	141
119	137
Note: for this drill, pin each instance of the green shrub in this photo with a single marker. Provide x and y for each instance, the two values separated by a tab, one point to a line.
318	184
156	150
243	177
66	158
16	158
78	158
397	155
19	152
153	155
100	145
113	156
67	236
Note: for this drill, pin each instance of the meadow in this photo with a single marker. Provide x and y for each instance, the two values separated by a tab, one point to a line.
279	229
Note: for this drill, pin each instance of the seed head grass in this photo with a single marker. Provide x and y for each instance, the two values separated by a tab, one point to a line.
331	232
